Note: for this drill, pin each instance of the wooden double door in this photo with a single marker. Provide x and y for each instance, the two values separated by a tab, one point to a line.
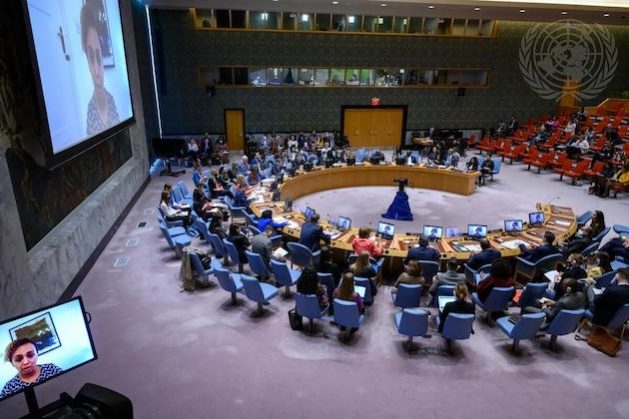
373	126
235	128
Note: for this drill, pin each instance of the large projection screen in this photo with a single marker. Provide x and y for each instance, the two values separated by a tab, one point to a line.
82	67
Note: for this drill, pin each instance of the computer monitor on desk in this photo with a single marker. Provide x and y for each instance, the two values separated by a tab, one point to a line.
386	230
513	226
477	231
433	232
343	223
453	232
536	219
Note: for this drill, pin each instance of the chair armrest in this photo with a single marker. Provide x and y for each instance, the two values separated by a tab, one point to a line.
526	263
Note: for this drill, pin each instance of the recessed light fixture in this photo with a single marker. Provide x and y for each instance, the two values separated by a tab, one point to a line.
335	2
564	13
522	10
431	7
351	19
606	14
383	5
265	16
477	9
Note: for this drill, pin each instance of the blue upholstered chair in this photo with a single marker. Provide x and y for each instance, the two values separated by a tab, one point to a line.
582	219
198	266
498	300
173	231
471	275
308	307
619	321
177	243
619	262
178	196
564	323
457	327
446	290
233	254
526	327
218	246
235	211
229	282
346	315
203	231
497	166
407	296
259	292
257	265
171	223
365	282
302	256
276	238
530	270
599	237
619	228
285	276
593	247
411	322
327	280
531	293
184	190
429	270
604	280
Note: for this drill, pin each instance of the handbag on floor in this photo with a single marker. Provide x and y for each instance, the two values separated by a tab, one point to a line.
294	319
601	339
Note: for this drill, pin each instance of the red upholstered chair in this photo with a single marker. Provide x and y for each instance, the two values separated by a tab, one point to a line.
578	171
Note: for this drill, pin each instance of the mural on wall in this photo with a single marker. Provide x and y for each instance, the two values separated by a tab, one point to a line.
43	197
185	49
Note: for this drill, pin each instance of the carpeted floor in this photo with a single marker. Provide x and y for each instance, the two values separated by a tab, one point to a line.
181	355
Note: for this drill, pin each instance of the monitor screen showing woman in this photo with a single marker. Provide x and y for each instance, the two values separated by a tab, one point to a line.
82	67
42	345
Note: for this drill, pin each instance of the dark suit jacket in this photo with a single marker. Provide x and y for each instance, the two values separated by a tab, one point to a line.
606	305
483	258
422	253
457	306
533	255
577	245
311	236
242	243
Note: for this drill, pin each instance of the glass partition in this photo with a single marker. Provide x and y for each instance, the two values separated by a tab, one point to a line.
257	77
305	21
323	22
222	18
289	21
370	24
322	76
264	20
385	24
354	23
239	19
401	25
306	77
337	77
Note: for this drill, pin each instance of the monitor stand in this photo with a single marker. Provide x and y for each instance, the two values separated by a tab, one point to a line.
35	412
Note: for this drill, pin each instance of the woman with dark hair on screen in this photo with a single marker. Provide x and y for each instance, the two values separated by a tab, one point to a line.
22	354
101	110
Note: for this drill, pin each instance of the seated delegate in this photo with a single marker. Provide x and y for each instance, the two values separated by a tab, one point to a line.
422	252
309	284
500	275
614	297
412	276
450	277
312	234
461	305
571	299
327	265
345	291
364	243
485	257
539	252
361	268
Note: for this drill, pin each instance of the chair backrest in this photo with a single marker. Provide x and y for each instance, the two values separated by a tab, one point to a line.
604	280
470	273
346	313
177	194
364	282
217	244
531	293
251	219
252	287
299	254
429	270
562	158
232	251
408	296
458	326
621	316
202	227
582	219
414	322
547	263
184	189
602	234
566	165
256	263
565	322
281	272
498	298
528	325
582	166
196	263
593	247
253	229
481	160
167	235
226	280
307	306
497	165
327	280
446	290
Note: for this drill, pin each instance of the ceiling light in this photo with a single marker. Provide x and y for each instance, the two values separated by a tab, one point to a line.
564	13
431	7
477	9
606	14
383	5
522	10
335	2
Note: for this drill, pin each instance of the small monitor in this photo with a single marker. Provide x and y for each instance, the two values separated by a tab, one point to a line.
536	218
308	213
513	226
343	223
386	230
56	339
478	231
433	232
453	232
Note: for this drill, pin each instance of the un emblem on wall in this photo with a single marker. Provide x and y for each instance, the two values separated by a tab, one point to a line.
564	50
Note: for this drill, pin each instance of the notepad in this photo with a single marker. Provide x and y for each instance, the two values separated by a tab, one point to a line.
280	253
562	223
513	244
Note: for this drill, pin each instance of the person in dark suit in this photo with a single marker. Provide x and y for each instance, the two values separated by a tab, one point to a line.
239	240
578	244
422	252
312	234
618	246
614	297
573	268
537	253
485	257
461	305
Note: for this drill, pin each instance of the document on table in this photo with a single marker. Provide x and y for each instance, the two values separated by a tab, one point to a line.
513	244
280	253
